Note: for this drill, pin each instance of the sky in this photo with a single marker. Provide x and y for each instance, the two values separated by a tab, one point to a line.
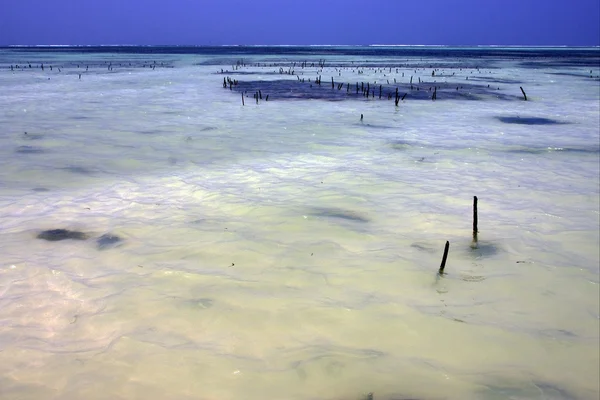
270	22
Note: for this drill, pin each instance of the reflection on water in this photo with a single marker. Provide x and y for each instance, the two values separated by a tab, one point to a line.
160	240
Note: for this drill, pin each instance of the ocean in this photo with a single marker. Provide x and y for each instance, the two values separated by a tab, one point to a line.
229	223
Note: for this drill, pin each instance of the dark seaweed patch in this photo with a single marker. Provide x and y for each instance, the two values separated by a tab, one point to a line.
78	170
338	213
427	247
289	89
557	334
150	132
28	150
495	80
400	145
108	241
529	120
32	136
40	189
573	62
200	304
569	74
528	390
376	126
545	150
54	235
250	72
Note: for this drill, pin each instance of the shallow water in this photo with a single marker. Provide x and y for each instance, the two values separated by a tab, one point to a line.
289	249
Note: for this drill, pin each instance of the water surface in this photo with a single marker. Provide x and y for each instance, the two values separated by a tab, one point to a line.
288	248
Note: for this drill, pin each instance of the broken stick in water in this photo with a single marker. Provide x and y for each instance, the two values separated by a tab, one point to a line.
441	271
524	95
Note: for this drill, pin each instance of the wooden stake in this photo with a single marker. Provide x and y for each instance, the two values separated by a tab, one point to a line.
441	271
475	221
243	99
522	91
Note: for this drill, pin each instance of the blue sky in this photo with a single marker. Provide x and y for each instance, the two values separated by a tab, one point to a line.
214	22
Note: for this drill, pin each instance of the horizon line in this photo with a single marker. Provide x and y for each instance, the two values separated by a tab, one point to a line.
303	45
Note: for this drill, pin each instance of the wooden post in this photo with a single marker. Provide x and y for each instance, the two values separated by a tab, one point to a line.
475	219
243	99
443	265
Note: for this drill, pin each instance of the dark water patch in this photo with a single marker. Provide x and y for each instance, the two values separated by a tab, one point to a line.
208	128
29	150
199	304
76	169
400	145
495	80
375	126
529	120
108	241
163	338
587	62
557	334
547	150
40	189
426	247
471	278
576	75
32	136
339	214
79	117
98	67
226	53
150	132
533	389
54	235
483	249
